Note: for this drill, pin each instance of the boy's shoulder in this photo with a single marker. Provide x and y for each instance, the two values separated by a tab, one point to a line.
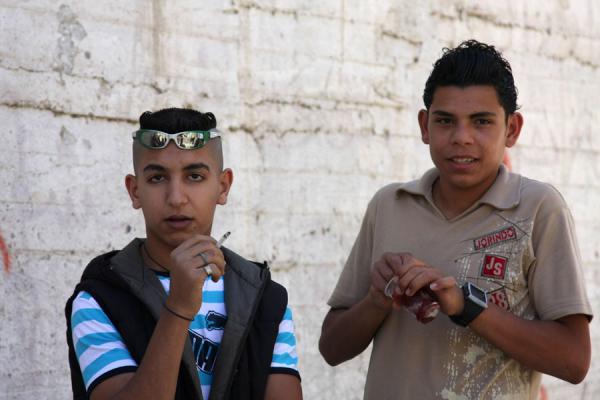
540	195
395	190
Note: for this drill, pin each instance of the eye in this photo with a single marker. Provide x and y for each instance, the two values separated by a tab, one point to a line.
443	121
156	178
195	177
483	121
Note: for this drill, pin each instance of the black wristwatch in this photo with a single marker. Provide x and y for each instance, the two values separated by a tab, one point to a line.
475	303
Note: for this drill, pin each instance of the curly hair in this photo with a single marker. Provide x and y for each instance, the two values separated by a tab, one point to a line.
173	120
473	63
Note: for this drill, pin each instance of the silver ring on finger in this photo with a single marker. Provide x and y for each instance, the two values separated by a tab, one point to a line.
391	286
208	269
203	257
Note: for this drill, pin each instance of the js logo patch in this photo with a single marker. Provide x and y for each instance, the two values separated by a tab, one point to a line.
494	266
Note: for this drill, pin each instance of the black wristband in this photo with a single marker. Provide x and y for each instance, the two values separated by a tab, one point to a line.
475	303
177	314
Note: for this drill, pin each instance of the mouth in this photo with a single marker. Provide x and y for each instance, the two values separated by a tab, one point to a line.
178	221
463	160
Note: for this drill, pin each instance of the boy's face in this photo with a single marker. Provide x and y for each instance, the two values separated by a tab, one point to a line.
467	131
178	191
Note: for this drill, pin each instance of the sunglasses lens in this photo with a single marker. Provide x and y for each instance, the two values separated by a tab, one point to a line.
189	140
154	139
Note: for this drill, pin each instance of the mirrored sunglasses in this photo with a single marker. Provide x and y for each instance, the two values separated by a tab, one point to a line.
188	140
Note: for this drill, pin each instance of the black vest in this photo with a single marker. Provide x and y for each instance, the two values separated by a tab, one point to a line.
132	298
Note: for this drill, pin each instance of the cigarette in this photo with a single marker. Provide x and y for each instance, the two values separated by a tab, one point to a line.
223	238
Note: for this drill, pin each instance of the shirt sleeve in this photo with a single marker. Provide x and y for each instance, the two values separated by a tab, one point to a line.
354	281
557	280
285	358
99	348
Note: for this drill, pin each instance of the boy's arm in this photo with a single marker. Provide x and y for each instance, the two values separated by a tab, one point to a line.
560	348
156	376
346	332
283	387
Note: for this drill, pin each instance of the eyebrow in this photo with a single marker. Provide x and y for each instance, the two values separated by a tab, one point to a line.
474	115
189	167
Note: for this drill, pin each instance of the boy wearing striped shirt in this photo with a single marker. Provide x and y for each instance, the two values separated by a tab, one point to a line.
176	315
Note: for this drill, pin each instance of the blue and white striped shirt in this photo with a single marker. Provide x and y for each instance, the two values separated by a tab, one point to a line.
100	348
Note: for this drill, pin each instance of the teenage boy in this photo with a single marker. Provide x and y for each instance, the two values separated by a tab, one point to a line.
146	322
496	250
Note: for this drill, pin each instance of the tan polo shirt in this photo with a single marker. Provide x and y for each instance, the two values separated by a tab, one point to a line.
517	242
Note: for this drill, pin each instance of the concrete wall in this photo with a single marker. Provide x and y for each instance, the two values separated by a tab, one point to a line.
318	100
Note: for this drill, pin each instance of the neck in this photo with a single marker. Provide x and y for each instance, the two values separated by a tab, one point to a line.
153	260
452	203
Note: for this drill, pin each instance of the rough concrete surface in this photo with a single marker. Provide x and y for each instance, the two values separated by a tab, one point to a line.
318	102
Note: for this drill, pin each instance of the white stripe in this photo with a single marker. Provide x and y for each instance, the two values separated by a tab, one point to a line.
94	352
284	348
109	367
286	325
90	326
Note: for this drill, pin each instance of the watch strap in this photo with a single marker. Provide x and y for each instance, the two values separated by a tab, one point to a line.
470	311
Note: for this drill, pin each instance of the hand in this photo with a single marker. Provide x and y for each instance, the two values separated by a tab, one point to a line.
414	275
383	270
188	274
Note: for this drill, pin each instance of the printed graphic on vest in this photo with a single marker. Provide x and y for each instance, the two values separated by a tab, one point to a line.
491	239
205	352
215	321
499	298
494	266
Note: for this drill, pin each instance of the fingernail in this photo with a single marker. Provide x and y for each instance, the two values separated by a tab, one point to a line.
408	292
433	286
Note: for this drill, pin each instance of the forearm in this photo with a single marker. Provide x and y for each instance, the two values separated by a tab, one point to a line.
560	348
347	333
156	376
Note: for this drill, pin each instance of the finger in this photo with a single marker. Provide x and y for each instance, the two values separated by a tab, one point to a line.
208	253
446	282
381	274
395	261
212	271
195	240
416	278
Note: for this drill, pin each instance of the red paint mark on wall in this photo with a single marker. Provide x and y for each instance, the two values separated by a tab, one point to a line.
5	254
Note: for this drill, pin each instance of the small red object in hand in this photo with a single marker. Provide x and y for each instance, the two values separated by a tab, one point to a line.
422	304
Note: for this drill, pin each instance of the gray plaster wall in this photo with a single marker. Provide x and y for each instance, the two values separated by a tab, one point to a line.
318	101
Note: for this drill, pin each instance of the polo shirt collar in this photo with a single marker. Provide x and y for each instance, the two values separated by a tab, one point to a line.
504	194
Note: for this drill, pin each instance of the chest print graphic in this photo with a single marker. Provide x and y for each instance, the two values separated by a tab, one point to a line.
495	261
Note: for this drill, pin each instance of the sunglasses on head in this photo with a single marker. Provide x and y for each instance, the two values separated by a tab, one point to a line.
188	140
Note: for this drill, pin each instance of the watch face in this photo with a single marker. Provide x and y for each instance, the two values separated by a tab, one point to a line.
477	295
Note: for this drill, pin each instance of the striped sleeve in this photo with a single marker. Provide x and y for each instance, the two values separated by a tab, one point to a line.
284	352
99	347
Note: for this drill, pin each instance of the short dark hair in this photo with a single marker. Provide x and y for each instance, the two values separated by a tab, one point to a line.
473	63
173	120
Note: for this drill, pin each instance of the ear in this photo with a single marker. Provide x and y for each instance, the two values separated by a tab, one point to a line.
132	189
225	181
513	128
423	117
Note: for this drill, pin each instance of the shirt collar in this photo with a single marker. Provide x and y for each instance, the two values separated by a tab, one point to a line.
504	194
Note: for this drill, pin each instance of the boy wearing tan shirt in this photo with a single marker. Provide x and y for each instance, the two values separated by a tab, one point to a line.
496	250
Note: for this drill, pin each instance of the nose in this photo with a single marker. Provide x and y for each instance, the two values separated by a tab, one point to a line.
176	194
462	134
